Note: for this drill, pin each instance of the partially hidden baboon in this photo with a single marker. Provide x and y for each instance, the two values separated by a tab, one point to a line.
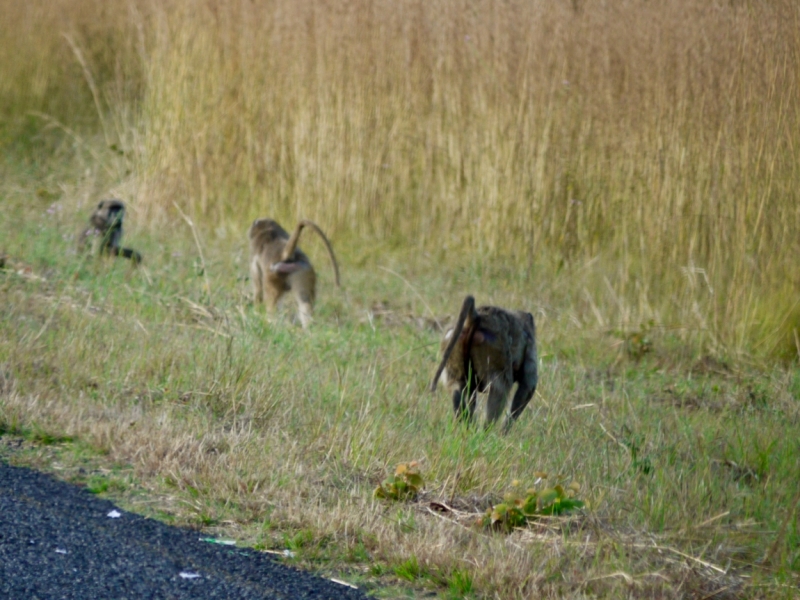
489	349
105	234
278	266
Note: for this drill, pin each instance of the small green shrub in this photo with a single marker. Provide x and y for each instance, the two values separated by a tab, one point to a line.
97	484
634	443
639	342
517	509
409	569
405	484
460	584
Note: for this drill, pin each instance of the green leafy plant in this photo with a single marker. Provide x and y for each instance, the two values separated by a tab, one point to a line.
519	508
460	584
409	569
634	443
405	484
639	342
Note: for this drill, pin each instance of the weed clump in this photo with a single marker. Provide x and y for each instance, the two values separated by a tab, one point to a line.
405	484
517	509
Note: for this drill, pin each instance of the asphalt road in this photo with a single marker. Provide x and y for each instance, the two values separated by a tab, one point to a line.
58	541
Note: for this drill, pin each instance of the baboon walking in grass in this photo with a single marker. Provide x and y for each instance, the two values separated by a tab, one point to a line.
278	266
489	350
104	236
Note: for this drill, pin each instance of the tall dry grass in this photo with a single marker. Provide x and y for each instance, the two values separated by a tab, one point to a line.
654	142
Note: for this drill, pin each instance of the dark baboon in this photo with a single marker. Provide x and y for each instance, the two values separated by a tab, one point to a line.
489	349
278	266
105	234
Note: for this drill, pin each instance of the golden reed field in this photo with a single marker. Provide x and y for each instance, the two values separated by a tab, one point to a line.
655	141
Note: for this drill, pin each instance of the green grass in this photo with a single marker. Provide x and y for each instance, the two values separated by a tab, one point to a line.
646	151
277	437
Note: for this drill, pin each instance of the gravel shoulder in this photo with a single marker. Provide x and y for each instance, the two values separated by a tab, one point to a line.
58	541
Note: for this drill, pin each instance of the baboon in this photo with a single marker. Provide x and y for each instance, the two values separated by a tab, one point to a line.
278	266
105	234
489	349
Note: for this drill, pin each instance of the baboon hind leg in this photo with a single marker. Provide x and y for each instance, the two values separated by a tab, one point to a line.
306	313
303	285
498	394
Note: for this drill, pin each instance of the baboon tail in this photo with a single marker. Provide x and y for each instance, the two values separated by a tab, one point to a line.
292	243
467	314
131	255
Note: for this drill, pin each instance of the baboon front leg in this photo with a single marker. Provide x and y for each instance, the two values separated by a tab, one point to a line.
257	278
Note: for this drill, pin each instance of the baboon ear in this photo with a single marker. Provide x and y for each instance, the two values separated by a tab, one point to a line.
478	338
100	204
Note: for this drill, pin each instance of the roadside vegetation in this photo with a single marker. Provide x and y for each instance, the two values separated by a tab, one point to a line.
627	173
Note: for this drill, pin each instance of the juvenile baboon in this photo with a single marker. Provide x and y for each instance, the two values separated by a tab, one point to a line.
278	266
105	234
489	349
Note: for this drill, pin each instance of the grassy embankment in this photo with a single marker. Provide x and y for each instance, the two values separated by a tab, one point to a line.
628	174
